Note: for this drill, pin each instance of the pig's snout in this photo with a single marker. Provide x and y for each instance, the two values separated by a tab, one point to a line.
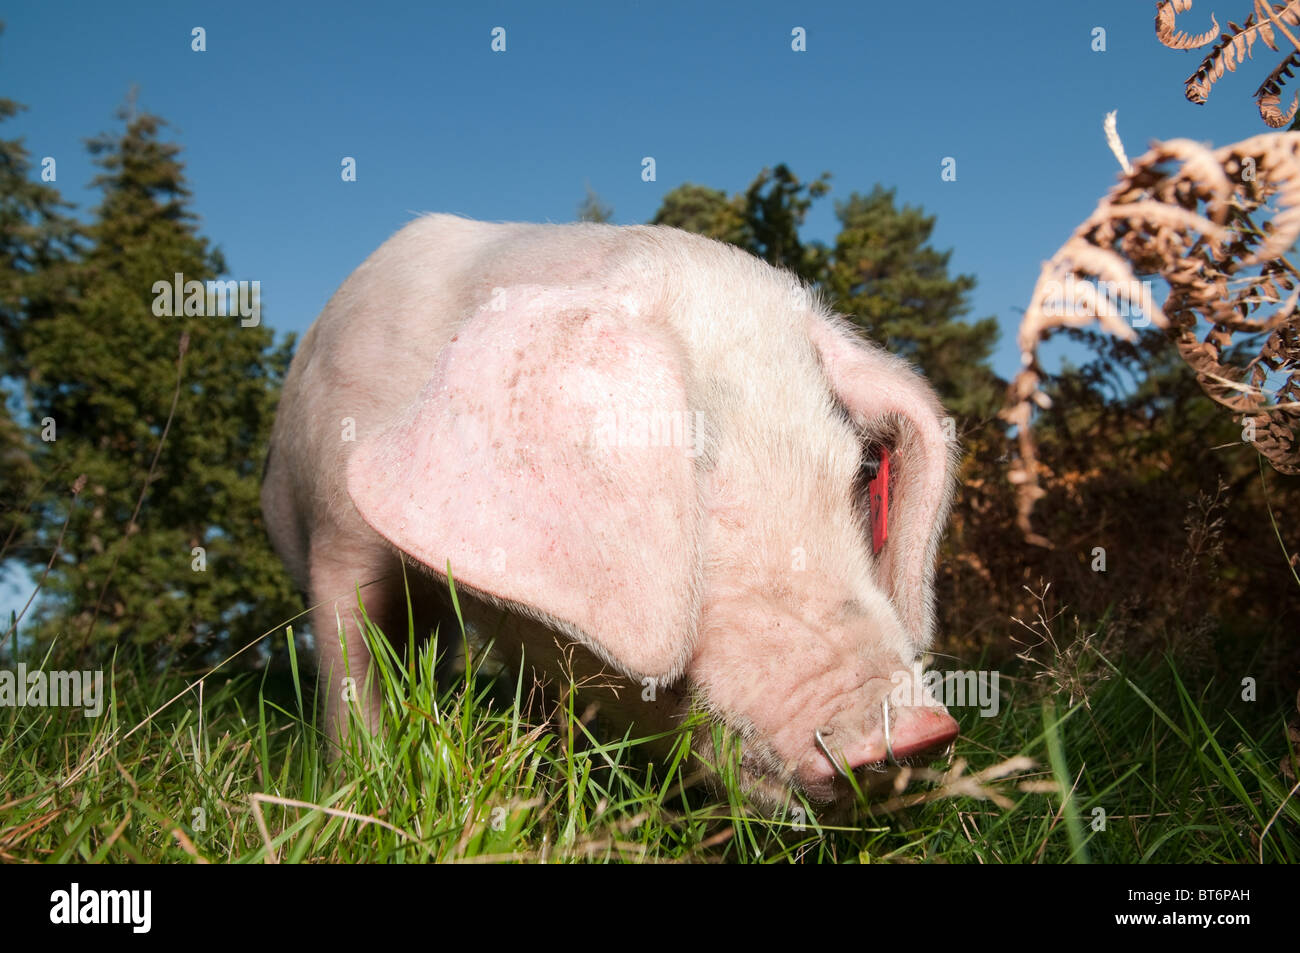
903	733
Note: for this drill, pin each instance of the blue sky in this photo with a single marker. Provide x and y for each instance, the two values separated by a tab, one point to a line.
439	122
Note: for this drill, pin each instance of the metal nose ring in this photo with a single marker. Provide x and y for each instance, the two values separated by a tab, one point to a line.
889	745
818	736
821	744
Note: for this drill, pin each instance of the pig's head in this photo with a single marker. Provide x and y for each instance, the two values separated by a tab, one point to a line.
620	476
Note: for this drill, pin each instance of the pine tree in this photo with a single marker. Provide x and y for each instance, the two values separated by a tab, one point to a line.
592	209
38	243
708	212
776	204
883	273
193	568
764	221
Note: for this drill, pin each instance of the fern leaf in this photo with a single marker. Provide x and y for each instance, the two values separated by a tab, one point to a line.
1269	95
1166	13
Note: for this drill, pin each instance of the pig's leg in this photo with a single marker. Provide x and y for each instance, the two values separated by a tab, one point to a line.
345	670
384	593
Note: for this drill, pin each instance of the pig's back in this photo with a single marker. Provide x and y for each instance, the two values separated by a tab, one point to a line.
376	343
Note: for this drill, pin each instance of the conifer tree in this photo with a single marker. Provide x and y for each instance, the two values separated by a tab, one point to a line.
885	275
38	243
167	551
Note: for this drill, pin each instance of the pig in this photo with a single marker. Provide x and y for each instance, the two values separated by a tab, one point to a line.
641	454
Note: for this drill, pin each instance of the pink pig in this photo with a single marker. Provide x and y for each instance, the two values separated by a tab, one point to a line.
656	452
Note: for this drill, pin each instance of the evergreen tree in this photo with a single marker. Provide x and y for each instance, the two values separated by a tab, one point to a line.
193	567
776	204
883	273
707	212
764	221
38	243
592	209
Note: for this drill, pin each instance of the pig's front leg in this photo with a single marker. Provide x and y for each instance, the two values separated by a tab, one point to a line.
346	676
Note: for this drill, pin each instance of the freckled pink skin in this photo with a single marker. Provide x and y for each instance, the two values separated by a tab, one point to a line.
458	402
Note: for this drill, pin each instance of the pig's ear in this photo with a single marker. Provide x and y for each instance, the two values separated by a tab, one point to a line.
526	464
895	409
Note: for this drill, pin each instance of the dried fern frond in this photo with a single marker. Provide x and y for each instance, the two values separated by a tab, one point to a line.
1269	95
1233	48
1187	214
1166	13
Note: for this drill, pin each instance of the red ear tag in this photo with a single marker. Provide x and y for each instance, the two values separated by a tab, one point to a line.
878	494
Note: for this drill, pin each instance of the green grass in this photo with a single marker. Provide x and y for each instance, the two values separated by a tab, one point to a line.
233	770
